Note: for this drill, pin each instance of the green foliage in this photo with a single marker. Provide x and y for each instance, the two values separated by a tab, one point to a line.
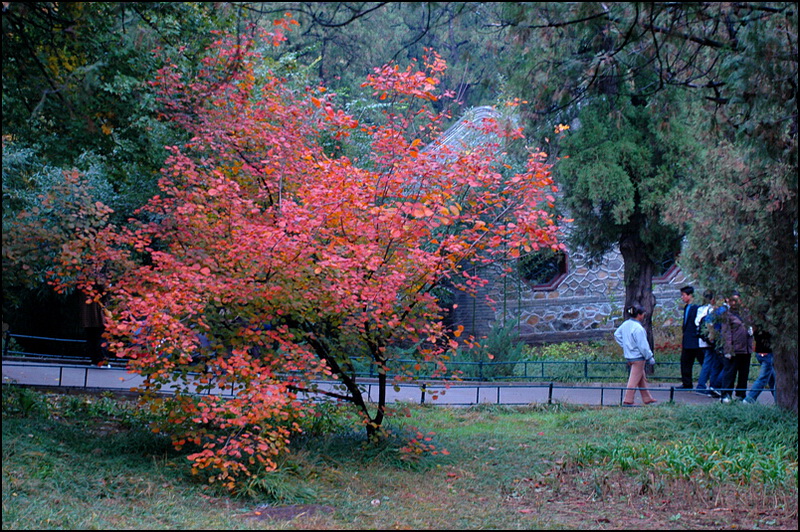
80	407
43	208
766	427
19	401
712	461
622	164
327	417
569	351
494	357
75	81
28	178
761	450
743	445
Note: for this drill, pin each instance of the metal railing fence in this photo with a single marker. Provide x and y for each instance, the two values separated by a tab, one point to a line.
93	378
470	371
55	347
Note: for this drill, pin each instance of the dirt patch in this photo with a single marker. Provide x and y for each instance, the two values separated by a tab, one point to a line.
616	501
287	513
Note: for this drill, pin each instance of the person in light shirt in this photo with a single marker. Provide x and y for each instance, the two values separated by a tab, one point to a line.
632	337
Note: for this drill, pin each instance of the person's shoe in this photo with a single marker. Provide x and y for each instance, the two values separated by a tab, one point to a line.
704	393
628	405
651	402
748	401
714	393
726	400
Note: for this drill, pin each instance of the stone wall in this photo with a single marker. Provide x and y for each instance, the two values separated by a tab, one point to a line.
586	303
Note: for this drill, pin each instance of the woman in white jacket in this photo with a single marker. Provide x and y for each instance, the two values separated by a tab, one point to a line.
633	339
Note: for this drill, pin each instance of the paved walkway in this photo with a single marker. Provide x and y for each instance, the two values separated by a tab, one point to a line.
465	393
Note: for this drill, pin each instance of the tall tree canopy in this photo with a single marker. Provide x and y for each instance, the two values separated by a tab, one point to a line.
75	79
339	38
76	96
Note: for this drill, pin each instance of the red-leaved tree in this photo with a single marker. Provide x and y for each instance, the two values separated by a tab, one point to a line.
266	263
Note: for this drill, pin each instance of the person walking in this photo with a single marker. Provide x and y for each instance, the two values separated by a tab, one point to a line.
737	341
690	345
717	381
632	337
766	375
712	362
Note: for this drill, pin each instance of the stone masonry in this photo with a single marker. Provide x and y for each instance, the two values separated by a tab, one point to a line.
585	303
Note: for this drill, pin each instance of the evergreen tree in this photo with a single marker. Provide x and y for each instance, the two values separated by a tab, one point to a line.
624	160
738	65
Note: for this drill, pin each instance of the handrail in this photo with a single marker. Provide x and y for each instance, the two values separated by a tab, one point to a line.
470	371
7	351
73	376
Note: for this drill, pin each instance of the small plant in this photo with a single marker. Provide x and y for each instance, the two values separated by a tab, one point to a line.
419	445
10	344
19	401
283	485
326	418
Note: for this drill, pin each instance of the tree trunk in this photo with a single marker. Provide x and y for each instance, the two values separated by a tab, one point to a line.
786	377
783	303
638	278
784	346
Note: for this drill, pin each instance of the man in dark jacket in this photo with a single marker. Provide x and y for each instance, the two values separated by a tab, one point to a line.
690	344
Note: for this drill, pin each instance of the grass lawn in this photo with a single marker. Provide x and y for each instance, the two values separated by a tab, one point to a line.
75	461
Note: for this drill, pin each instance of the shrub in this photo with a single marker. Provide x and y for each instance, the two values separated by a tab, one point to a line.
494	358
567	351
